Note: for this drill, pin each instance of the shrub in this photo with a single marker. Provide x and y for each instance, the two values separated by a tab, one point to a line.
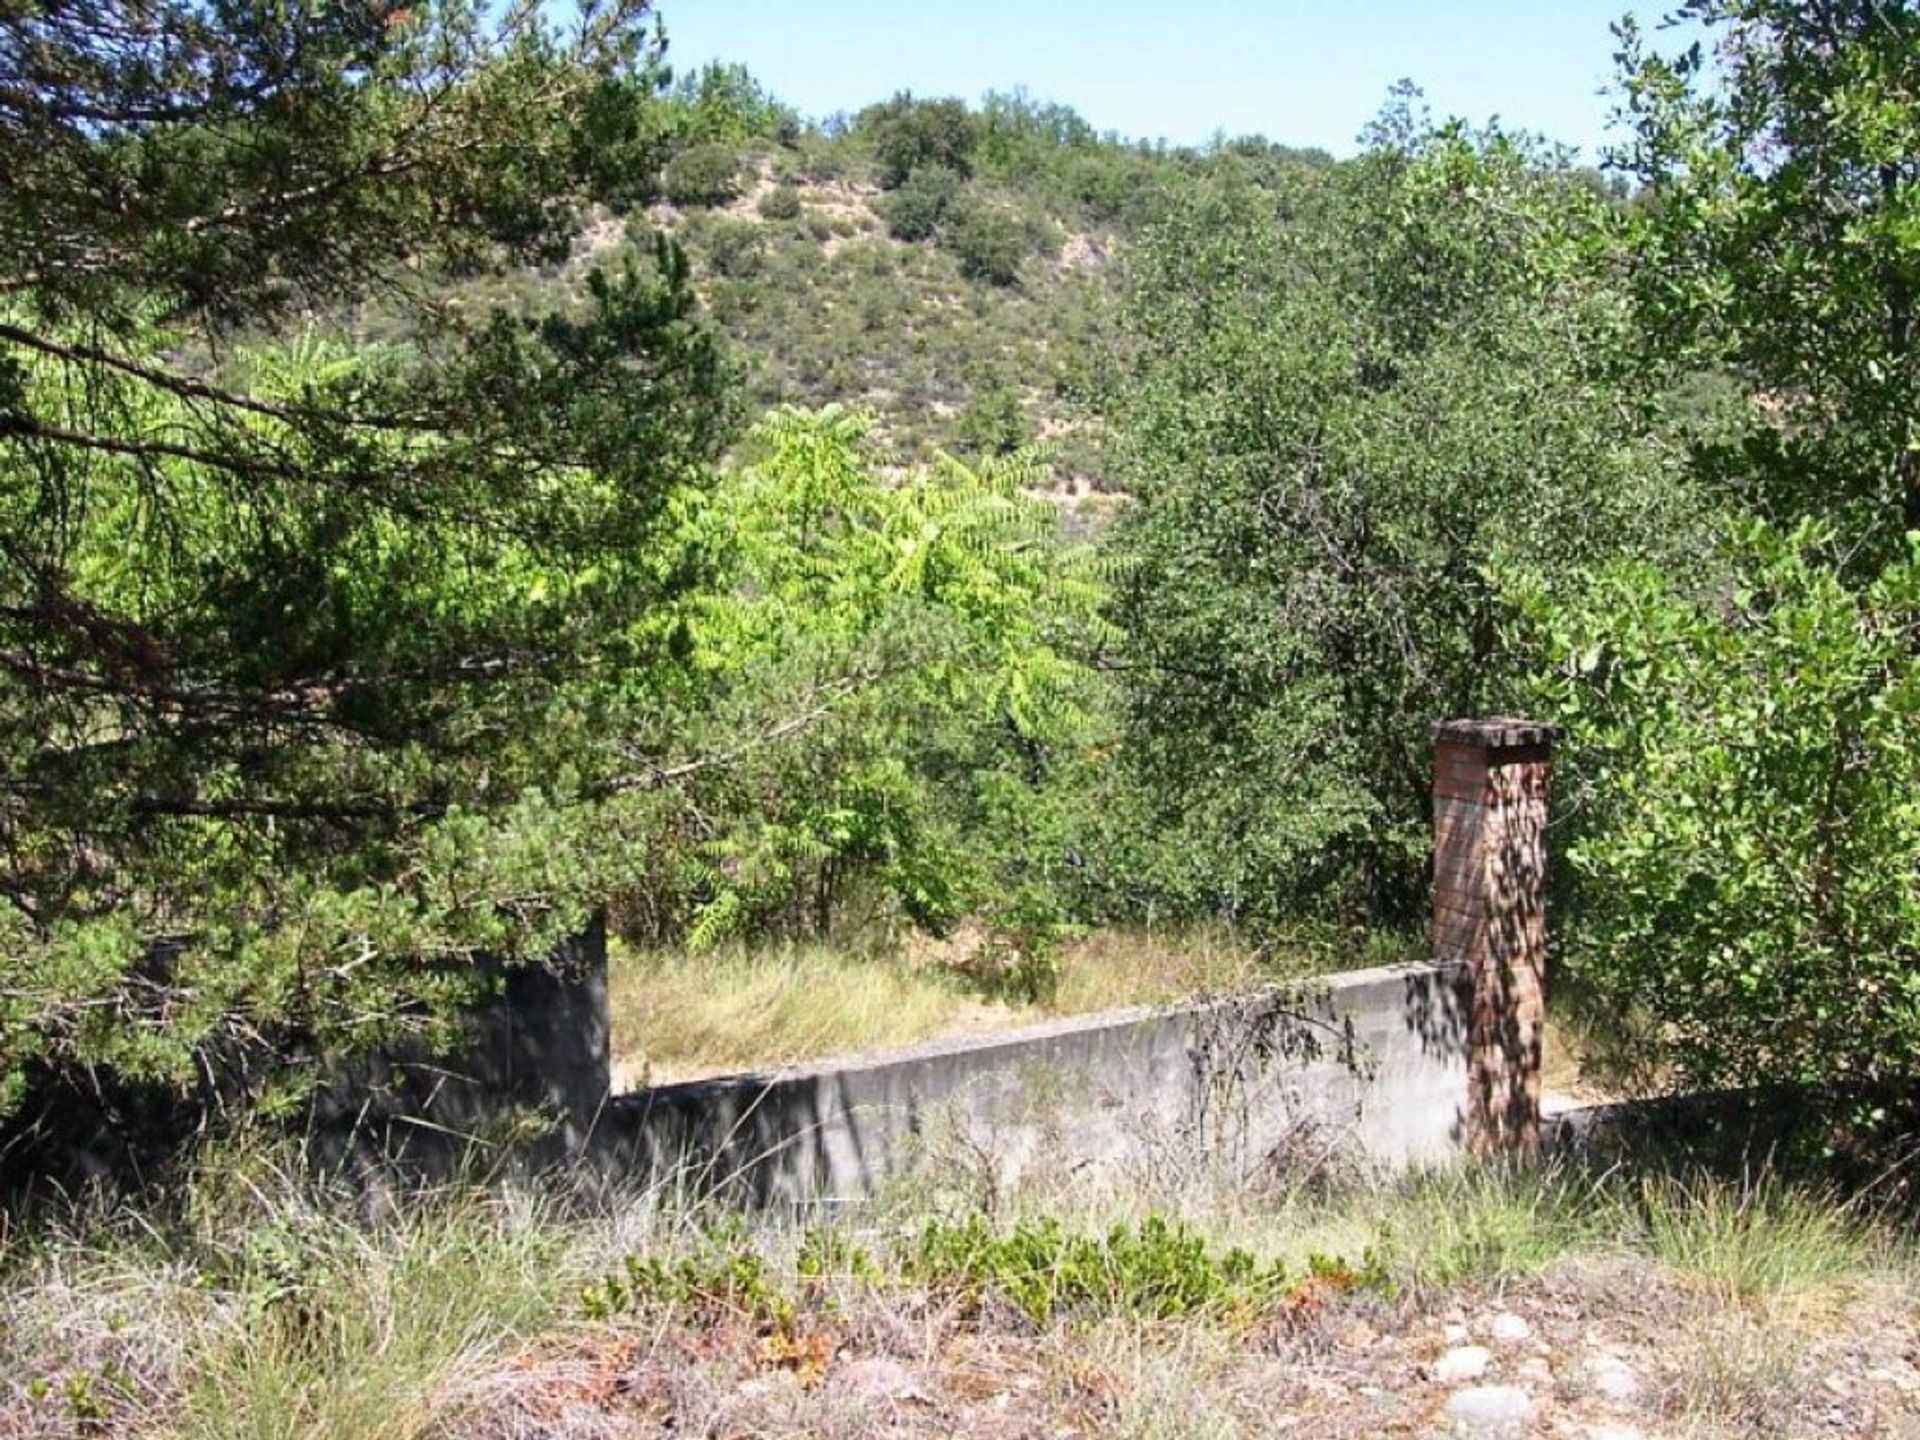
1748	753
780	203
910	135
1158	1270
918	209
736	249
994	422
702	175
989	243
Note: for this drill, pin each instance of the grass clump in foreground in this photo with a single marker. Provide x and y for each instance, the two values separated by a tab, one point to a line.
256	1306
265	1309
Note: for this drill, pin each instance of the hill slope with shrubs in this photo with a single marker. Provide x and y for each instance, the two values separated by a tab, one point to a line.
949	268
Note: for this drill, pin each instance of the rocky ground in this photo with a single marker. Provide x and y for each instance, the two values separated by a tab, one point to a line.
1617	1349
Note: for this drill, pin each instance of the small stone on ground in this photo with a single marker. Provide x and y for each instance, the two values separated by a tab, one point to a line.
1487	1412
1462	1363
1509	1329
1612	1378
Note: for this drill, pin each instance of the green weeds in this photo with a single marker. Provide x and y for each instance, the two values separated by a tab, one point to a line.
1159	1269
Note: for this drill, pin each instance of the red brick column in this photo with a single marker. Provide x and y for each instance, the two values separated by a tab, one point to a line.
1490	912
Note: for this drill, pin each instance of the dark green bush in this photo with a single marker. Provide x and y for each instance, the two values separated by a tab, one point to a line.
918	209
994	422
989	243
736	249
910	135
702	175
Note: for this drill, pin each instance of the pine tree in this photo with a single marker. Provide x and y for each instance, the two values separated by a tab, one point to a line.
314	656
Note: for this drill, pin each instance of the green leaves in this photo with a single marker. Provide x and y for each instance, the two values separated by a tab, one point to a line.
893	660
1745	758
317	660
1779	240
1349	401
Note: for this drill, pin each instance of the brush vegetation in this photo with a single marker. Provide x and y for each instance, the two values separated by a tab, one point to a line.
254	1305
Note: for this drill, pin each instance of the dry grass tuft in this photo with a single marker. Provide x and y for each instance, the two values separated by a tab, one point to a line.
680	1016
1111	968
1757	1238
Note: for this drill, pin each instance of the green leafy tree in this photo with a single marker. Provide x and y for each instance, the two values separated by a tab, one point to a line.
323	666
723	104
1745	774
908	135
897	663
1780	240
1347	403
1745	840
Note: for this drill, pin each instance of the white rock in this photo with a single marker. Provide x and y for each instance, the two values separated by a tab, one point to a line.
1614	1432
1509	1329
1461	1364
1488	1411
1612	1378
1456	1334
1534	1372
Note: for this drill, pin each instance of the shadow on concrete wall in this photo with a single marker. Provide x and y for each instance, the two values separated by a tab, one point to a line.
524	1091
1378	1057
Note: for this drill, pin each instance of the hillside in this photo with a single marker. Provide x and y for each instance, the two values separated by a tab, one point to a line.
951	268
823	303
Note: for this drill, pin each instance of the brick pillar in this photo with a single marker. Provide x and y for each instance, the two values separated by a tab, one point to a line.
1490	912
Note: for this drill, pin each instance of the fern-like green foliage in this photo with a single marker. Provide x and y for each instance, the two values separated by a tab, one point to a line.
900	659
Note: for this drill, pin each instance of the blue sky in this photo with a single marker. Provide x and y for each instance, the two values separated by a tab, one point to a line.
1300	72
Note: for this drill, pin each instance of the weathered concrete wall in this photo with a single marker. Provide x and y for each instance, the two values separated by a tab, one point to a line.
529	1087
1374	1062
526	1091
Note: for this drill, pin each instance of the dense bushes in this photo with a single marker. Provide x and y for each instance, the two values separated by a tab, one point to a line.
989	243
1378	420
702	175
912	645
1348	402
909	135
1747	760
782	202
920	205
1749	845
253	702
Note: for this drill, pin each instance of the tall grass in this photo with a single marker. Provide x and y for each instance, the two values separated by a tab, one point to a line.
1115	967
268	1312
383	1332
1755	1237
1492	1223
679	1015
